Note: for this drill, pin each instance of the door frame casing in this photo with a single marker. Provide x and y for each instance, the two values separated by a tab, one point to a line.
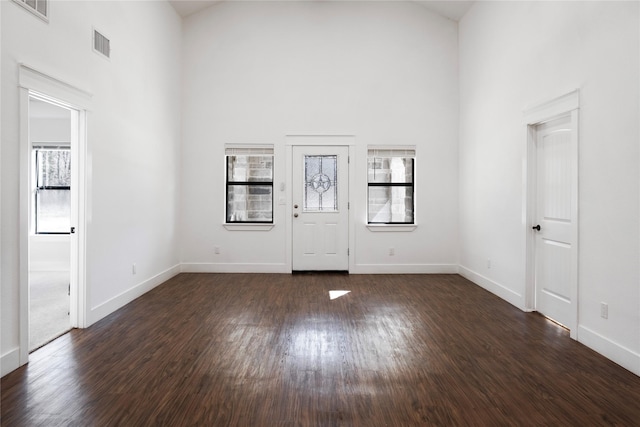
565	105
319	140
33	83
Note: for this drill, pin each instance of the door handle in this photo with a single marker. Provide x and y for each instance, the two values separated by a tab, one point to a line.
537	227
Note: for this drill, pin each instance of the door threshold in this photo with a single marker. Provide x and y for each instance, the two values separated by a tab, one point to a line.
554	321
51	340
320	272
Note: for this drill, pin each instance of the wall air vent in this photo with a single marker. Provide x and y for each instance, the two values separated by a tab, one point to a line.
40	8
101	44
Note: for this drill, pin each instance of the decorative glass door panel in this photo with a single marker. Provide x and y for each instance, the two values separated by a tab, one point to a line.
320	217
320	184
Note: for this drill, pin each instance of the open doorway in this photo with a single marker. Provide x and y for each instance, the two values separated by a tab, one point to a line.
67	106
50	135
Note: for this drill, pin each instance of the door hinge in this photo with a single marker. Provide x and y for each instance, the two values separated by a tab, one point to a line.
348	159
348	205
347	251
69	290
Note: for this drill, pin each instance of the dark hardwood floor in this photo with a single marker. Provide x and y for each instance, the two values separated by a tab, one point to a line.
274	350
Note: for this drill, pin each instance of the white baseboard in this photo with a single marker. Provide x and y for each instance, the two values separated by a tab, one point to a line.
495	288
103	310
10	361
286	269
194	267
404	269
613	351
623	356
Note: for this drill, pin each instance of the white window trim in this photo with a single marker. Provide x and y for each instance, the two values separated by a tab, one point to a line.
246	149
393	151
233	226
392	227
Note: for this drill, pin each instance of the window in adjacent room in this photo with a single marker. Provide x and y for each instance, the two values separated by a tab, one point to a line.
249	193
52	204
390	180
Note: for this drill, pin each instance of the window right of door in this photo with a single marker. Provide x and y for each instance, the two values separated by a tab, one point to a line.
390	186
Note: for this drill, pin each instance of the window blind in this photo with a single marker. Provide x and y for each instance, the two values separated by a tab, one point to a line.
248	150
386	151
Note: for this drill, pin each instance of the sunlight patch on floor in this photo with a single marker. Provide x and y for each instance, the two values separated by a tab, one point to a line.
337	294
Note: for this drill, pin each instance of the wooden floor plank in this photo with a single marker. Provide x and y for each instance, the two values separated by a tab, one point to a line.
274	350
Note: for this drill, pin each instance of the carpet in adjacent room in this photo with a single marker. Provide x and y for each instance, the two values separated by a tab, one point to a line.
49	306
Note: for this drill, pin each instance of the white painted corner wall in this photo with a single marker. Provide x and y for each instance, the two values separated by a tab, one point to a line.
513	56
133	152
5	364
386	72
382	72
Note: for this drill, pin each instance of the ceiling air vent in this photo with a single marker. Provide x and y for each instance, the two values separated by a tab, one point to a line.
101	44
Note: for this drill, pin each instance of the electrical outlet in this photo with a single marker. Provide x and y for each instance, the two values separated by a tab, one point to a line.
392	251
217	250
134	268
604	310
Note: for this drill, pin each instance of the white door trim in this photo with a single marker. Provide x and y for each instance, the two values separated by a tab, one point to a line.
567	104
37	84
292	140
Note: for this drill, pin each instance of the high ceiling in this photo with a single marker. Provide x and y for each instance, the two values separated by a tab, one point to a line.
452	9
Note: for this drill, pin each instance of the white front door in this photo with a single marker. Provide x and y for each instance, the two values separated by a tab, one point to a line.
320	208
555	269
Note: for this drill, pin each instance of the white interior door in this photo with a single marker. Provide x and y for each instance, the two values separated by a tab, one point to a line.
320	208
555	268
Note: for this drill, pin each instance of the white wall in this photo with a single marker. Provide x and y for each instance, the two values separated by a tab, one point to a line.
133	153
514	55
50	130
386	72
254	72
4	367
49	252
